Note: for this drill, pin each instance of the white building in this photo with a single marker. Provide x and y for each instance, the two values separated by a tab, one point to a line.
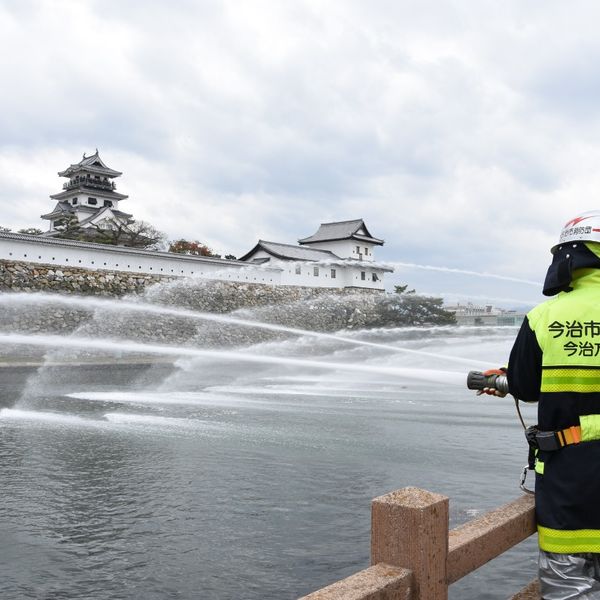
471	314
293	266
89	197
339	254
346	239
472	310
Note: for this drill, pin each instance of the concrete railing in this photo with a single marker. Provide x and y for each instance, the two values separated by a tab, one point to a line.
415	557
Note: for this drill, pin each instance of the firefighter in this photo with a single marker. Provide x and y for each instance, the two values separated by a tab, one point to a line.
555	361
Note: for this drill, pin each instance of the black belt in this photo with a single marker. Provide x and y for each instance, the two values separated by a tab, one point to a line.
552	440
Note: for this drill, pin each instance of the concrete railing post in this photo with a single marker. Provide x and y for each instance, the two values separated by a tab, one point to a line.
409	528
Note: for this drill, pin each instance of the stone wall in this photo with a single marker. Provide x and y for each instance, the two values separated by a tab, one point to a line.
31	277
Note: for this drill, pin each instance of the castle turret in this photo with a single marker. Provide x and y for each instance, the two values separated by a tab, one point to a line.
347	239
89	196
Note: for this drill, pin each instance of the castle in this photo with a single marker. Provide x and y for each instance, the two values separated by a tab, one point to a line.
89	197
338	255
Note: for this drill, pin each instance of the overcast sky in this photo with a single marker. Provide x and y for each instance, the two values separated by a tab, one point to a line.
464	133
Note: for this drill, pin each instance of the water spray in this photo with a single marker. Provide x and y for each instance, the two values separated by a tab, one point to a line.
120	305
464	272
129	346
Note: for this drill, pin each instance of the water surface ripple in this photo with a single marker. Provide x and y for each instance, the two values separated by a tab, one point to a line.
227	480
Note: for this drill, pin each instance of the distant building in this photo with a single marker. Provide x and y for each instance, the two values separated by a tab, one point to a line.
338	255
89	199
471	314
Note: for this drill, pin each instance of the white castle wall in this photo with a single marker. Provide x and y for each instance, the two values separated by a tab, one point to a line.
319	274
345	275
71	253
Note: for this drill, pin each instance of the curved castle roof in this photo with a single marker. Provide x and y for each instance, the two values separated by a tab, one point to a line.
342	230
91	164
290	252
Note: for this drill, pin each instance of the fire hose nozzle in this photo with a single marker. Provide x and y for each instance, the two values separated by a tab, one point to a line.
476	380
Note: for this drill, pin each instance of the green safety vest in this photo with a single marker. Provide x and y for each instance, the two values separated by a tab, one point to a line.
567	330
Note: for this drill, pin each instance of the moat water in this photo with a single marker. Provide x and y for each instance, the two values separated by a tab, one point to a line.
126	476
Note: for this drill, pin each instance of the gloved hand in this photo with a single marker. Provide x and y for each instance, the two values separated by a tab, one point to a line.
492	391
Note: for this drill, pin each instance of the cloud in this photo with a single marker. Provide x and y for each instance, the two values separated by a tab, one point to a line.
464	134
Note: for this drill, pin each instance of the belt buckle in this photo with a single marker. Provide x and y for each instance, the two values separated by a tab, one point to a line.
531	436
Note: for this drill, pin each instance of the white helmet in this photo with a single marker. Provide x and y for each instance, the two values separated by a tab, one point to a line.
584	228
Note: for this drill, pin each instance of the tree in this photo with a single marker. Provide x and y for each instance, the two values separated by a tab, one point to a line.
230	257
4	229
194	248
401	289
30	231
68	227
114	232
406	307
135	234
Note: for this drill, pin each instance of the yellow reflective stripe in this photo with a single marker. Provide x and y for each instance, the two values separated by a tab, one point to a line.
539	467
590	427
570	380
569	541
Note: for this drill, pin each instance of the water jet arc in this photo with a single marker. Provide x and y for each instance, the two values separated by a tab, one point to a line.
118	305
129	346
